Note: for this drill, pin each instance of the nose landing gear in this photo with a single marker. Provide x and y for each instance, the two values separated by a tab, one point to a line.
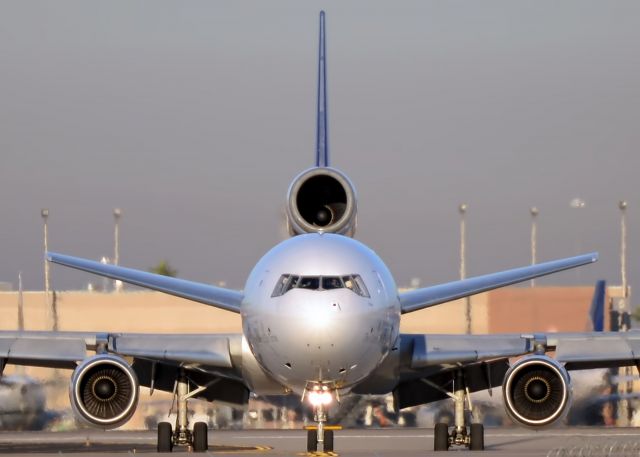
320	396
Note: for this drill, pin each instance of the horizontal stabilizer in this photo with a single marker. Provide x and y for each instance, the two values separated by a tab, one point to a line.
219	297
429	296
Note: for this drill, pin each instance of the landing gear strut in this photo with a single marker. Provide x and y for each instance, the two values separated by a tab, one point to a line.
182	436
460	435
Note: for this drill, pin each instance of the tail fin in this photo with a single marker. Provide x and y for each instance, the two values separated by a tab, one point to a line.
322	138
597	306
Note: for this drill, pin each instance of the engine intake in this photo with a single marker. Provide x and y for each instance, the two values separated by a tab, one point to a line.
321	200
104	391
537	391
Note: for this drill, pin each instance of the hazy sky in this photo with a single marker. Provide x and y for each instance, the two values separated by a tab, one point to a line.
194	116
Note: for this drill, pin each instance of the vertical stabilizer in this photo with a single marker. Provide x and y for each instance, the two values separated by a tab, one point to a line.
596	313
322	139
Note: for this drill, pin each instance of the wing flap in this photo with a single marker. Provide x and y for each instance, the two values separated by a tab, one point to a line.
210	350
65	349
594	350
38	351
429	350
204	293
429	296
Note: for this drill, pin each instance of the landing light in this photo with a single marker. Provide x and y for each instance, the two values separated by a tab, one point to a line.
320	398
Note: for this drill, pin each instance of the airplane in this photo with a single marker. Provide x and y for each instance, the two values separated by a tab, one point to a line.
320	318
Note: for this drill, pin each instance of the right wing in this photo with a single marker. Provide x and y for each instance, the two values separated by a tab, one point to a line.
219	297
414	300
428	362
157	359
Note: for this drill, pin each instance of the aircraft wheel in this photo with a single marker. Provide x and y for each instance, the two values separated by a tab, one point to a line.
477	437
328	441
165	437
200	438
312	440
441	437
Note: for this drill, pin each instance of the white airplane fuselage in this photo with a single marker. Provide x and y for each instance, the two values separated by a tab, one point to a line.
309	336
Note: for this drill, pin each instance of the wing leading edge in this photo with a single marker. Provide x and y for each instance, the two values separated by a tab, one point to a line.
219	297
415	300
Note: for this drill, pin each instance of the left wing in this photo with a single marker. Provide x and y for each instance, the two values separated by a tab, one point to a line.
414	300
204	293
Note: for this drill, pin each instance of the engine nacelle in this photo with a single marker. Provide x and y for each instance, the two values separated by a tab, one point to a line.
104	391
537	391
321	200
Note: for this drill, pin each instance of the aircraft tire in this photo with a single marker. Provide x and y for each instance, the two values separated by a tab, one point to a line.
200	437
477	437
312	440
328	441
165	437
441	437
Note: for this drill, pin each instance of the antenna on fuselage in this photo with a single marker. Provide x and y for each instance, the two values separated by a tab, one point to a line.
322	133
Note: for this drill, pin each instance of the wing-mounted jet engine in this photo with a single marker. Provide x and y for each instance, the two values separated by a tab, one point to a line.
537	391
321	200
104	391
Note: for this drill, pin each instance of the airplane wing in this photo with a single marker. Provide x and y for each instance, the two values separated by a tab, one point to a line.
431	360
156	358
429	296
219	297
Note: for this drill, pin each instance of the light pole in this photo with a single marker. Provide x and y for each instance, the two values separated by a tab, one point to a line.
20	368
623	251
117	214
462	209
623	307
578	204
534	237
45	216
20	303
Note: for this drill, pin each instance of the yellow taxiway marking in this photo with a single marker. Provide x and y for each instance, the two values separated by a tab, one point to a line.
255	449
326	427
320	454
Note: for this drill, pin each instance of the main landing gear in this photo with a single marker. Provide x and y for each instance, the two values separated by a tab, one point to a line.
167	437
460	435
320	396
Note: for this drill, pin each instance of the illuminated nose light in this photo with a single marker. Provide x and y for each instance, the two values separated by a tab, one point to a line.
320	398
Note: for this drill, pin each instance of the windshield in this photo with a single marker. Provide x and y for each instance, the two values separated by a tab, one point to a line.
288	281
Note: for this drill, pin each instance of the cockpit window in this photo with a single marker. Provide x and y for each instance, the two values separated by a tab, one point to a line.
355	283
351	282
331	282
309	282
285	283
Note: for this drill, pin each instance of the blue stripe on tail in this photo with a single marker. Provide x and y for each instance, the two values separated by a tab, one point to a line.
322	138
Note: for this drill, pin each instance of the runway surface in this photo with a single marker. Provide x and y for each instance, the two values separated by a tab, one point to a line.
588	441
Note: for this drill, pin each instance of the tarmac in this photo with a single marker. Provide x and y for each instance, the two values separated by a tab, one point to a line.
558	442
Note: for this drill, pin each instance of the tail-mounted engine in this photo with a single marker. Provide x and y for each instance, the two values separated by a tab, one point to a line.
537	391
321	200
104	391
